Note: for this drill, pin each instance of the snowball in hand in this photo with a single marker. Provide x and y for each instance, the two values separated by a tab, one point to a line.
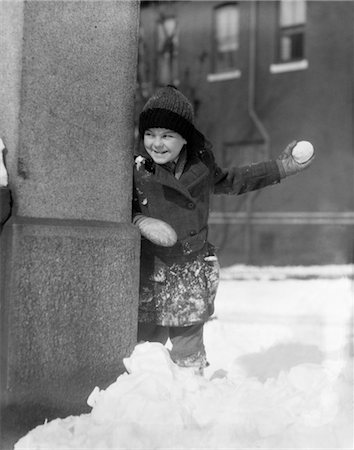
302	152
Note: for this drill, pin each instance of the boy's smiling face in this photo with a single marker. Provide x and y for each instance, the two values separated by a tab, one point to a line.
163	145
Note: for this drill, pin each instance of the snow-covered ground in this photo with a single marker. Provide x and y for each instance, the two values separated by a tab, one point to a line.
280	375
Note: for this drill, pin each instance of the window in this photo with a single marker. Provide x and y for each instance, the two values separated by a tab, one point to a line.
292	20
226	37
167	51
144	69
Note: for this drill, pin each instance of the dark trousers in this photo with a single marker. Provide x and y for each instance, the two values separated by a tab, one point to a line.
187	342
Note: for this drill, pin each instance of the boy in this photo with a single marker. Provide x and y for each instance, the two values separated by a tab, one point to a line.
174	175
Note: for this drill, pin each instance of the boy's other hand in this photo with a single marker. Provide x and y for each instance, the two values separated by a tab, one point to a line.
157	231
287	164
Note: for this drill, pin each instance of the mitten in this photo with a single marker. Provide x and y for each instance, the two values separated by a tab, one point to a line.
157	231
287	164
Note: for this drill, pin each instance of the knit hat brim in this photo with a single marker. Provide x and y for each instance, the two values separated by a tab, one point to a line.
164	118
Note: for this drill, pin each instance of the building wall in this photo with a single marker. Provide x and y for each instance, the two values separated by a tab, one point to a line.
309	218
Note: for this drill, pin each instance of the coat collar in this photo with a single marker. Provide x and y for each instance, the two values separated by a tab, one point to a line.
195	171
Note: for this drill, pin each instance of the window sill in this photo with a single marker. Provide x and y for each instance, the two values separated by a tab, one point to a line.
289	66
224	76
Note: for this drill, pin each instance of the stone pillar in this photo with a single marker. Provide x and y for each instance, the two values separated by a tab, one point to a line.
69	256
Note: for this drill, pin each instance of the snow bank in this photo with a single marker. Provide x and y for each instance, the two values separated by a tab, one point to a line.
158	405
246	272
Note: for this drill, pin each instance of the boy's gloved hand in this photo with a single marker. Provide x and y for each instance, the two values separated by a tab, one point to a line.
157	231
287	164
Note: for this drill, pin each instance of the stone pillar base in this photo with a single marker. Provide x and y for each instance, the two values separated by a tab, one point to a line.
66	315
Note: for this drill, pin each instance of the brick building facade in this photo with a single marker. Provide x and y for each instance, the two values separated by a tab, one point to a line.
261	74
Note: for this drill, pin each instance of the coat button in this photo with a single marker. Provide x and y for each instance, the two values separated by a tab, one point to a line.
190	205
192	233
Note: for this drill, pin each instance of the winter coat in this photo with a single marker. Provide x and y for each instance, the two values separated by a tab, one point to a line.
178	284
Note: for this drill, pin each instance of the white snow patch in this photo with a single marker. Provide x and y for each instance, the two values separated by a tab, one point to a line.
245	272
139	160
280	376
158	405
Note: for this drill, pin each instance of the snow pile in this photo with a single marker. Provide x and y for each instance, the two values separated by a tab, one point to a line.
158	405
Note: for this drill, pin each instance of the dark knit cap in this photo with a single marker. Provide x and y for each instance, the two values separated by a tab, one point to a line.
168	108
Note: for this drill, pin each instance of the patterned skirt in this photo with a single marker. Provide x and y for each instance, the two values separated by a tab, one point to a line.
178	291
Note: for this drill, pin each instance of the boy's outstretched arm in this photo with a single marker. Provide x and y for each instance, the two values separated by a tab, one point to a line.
239	180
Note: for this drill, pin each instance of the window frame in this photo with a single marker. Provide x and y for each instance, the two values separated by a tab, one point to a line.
287	30
218	74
